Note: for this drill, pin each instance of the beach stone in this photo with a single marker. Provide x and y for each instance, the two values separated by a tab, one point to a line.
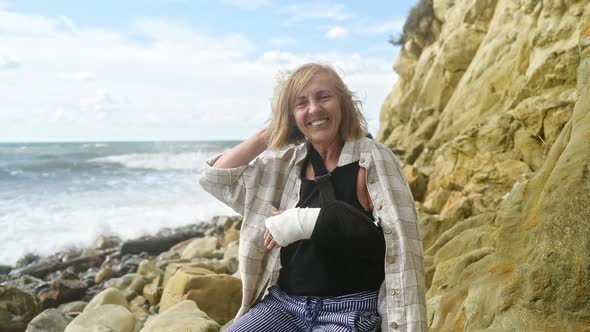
136	287
107	242
108	296
17	309
184	316
224	266
153	291
217	294
120	283
201	248
223	222
139	307
50	320
108	317
27	259
105	273
5	269
62	291
149	270
230	235
72	307
130	264
231	251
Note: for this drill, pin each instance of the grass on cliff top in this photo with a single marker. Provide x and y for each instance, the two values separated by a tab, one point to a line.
423	9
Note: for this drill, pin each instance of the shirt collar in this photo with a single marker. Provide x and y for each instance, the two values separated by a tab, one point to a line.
350	153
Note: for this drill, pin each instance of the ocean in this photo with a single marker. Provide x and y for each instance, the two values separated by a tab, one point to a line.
55	196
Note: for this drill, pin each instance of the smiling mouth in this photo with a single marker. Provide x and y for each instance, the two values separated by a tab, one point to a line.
319	122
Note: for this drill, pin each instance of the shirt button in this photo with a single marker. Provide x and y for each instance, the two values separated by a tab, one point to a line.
362	160
393	325
392	292
390	259
387	230
379	206
371	179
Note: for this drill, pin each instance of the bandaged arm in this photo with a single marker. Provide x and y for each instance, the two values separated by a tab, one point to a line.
292	225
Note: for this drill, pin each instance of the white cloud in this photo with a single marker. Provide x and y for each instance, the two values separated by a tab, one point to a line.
248	4
80	76
337	33
316	10
7	62
177	83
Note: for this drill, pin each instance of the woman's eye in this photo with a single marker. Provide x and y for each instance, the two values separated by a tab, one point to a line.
324	97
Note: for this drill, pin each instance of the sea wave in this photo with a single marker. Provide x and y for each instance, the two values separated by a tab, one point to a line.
157	161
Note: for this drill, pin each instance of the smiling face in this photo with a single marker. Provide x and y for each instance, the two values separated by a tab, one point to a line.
317	110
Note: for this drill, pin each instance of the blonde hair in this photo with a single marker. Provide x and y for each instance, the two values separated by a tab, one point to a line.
283	129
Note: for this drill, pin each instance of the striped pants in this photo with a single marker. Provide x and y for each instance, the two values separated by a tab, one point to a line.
284	313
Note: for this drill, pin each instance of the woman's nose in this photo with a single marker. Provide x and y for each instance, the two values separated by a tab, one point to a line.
313	106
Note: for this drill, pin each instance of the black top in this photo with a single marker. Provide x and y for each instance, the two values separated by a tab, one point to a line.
334	263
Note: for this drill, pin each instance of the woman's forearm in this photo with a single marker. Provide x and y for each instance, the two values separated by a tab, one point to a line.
244	152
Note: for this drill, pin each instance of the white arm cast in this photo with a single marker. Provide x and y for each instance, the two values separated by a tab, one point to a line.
292	225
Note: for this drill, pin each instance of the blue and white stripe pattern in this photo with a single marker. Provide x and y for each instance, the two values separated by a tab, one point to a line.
284	313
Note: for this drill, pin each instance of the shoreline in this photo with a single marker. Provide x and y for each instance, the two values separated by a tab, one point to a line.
139	269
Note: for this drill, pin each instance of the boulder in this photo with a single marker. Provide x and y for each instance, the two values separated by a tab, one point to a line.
62	291
107	317
73	307
108	296
50	320
218	295
17	309
201	248
105	273
184	316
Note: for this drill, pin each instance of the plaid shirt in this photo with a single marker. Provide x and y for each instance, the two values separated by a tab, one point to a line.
272	181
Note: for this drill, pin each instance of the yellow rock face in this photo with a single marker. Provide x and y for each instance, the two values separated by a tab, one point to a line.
496	113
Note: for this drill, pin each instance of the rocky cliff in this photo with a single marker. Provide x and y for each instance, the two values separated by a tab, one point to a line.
491	114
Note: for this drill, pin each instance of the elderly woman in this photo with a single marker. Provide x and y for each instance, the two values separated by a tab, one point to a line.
307	263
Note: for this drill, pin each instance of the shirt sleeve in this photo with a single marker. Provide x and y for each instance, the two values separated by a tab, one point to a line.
227	184
250	186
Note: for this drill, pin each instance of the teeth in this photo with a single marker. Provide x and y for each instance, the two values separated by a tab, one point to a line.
319	122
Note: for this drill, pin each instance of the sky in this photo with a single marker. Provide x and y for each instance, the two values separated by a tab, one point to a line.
79	70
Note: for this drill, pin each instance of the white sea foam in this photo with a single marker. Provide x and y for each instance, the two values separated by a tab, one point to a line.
157	161
47	229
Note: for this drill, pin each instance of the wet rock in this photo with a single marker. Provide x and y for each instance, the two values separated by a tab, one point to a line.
27	259
62	291
17	309
5	269
107	241
50	320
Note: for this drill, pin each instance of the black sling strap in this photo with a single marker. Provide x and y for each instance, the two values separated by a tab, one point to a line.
322	177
